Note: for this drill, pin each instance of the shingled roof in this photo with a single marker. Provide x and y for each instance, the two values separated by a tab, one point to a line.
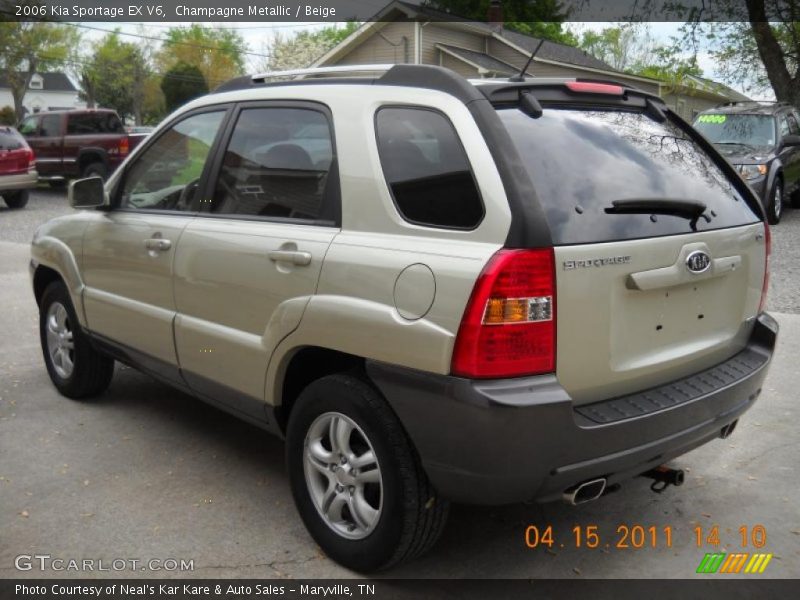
549	50
479	59
51	82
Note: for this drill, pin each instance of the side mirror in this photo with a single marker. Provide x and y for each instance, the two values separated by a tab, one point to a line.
791	140
87	193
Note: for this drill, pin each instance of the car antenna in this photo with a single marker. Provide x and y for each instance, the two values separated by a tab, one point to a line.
521	75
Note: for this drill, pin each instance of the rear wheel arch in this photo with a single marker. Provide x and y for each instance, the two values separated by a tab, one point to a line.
305	366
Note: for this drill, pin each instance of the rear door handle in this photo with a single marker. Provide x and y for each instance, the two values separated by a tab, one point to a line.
159	244
295	257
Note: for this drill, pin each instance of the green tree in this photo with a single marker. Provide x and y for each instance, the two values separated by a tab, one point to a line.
8	116
28	47
302	49
539	18
182	83
116	76
629	47
218	53
754	44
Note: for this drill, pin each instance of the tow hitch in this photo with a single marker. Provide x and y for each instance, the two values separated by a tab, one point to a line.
663	477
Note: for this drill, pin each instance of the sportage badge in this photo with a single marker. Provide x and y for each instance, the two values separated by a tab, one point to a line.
698	261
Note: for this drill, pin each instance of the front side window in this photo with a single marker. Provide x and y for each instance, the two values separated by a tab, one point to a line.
427	169
793	128
166	175
28	126
783	124
277	164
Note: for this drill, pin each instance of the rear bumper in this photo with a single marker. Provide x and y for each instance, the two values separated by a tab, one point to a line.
505	441
21	181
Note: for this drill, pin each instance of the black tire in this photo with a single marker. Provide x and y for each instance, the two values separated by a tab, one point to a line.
91	372
412	517
95	169
776	202
16	199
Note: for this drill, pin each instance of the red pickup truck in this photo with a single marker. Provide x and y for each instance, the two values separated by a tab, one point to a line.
76	143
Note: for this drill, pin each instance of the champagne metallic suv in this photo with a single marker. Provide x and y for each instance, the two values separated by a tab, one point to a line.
436	290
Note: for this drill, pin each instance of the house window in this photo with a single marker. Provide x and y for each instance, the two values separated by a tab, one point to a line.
36	83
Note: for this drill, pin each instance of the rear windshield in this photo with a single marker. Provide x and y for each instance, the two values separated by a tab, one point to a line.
10	140
581	161
748	130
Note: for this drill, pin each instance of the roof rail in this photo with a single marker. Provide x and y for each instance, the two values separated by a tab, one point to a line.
322	71
756	102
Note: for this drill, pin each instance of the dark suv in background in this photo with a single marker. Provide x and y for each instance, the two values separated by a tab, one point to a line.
76	143
762	140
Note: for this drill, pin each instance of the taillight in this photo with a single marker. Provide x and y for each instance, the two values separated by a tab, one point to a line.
589	87
767	252
124	146
31	160
508	327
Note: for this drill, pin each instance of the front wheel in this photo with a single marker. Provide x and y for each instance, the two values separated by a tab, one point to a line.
16	199
75	367
357	482
775	206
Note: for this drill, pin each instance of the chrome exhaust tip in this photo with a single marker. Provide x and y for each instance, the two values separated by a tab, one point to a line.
585	492
726	431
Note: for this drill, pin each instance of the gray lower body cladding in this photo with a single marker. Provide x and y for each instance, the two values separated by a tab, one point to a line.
506	441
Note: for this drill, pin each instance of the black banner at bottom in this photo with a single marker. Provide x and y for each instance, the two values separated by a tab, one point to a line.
390	589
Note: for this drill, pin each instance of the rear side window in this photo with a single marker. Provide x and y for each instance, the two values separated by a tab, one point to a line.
580	161
51	126
99	122
277	164
10	140
427	169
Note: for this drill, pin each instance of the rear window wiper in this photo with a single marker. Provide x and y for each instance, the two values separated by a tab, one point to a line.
691	209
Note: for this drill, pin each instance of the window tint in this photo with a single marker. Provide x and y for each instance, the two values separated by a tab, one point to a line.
277	164
10	139
426	168
166	175
784	126
51	126
793	128
28	126
100	122
580	161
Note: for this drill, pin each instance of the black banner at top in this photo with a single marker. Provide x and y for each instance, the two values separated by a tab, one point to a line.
221	11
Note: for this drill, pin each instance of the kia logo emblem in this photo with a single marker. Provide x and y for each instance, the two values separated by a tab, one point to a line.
698	261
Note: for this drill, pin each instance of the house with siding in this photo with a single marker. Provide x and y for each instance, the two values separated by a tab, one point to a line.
407	33
46	91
